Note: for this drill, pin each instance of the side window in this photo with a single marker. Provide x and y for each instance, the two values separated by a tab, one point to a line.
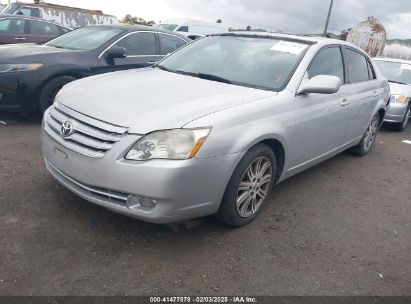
169	44
183	29
327	61
4	25
357	66
12	26
139	44
43	28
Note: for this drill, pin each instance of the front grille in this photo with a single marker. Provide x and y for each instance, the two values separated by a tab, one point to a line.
90	137
102	194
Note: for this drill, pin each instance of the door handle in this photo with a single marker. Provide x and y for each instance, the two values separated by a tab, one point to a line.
375	94
345	103
151	62
20	38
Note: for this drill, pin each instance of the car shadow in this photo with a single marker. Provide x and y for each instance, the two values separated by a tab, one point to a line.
7	118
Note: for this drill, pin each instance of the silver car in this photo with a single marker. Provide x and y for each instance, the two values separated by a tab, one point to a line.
214	126
398	73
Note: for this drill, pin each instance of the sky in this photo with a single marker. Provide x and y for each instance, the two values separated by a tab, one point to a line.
291	16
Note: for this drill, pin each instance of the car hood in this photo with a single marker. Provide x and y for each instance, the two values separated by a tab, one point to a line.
151	99
12	52
400	89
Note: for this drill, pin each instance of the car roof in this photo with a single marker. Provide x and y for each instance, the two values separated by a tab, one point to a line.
292	37
133	28
392	60
32	18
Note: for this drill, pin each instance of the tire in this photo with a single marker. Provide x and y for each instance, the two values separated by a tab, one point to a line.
50	90
402	125
369	137
258	191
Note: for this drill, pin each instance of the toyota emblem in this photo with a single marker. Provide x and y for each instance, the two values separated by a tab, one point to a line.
66	129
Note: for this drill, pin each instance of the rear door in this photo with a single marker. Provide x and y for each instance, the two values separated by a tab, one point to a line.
41	31
14	30
364	93
321	119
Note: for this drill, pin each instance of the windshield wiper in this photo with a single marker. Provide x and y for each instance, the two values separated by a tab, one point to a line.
212	77
199	75
394	81
56	46
161	67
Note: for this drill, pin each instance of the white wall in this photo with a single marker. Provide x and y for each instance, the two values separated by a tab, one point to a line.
397	51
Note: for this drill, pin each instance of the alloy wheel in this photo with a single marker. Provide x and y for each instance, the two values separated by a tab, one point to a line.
371	133
406	118
254	186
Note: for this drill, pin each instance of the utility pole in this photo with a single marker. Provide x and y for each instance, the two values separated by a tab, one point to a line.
328	18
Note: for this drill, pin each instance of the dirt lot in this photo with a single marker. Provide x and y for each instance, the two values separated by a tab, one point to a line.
341	228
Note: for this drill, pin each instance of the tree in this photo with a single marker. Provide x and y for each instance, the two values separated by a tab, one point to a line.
219	21
248	28
137	20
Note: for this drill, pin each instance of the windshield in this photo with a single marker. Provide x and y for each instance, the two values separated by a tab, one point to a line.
395	71
255	62
10	9
167	27
86	38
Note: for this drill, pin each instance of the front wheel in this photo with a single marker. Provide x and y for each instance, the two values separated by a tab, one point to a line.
249	187
50	89
369	137
402	125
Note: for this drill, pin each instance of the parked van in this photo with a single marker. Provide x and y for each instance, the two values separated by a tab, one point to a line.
64	15
193	28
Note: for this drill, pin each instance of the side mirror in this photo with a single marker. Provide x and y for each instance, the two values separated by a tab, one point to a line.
321	84
116	52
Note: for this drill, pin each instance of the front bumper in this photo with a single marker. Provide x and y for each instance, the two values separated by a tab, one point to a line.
396	112
183	189
18	92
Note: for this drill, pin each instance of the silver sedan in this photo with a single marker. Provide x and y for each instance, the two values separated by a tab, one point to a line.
398	73
214	126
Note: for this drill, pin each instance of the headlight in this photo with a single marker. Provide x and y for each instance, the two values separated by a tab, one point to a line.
398	98
169	144
10	68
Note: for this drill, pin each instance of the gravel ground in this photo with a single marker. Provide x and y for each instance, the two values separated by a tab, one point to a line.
340	228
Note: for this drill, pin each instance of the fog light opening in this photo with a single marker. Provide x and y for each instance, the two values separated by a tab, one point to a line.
134	202
147	202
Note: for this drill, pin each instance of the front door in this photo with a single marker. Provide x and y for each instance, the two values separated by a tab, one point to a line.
321	119
141	49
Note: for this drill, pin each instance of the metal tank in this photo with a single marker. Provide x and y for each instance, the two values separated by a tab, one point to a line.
370	35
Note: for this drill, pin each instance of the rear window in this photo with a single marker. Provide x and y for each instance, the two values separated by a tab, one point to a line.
167	27
183	29
169	43
43	28
357	66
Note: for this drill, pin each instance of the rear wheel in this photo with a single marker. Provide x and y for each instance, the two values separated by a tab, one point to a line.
249	187
369	137
49	91
402	125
